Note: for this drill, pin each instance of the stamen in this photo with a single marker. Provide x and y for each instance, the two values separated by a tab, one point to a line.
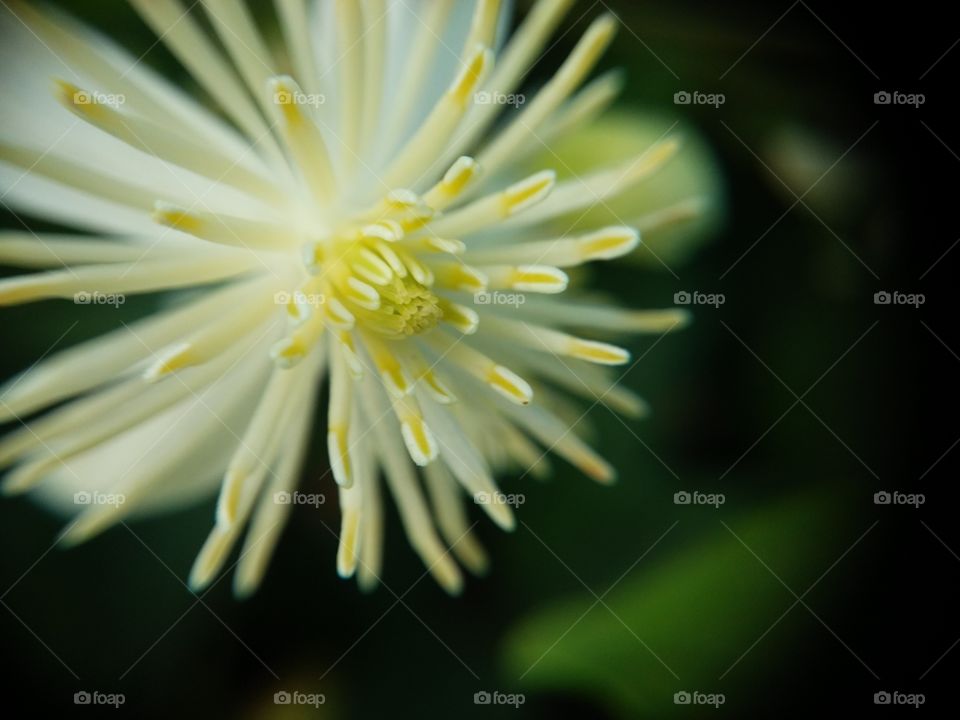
420	151
605	244
303	138
417	436
454	182
422	372
225	229
338	315
289	351
78	176
460	277
394	377
513	387
568	77
430	244
546	339
338	449
492	209
350	356
461	317
578	193
158	141
504	381
527	278
351	508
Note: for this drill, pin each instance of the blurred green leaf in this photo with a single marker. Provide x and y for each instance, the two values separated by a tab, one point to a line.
692	616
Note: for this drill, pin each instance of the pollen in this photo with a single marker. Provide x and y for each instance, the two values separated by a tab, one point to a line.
409	308
386	288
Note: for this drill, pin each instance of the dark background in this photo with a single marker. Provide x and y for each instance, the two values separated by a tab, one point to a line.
115	616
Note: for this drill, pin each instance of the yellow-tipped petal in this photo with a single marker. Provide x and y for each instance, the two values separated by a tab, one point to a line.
228	501
347	551
459	316
527	278
438	391
419	440
605	244
608	243
460	277
520	196
394	377
510	385
338	452
497	207
361	293
454	182
461	92
177	218
176	358
598	352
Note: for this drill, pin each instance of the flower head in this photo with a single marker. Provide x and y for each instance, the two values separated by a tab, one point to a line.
346	225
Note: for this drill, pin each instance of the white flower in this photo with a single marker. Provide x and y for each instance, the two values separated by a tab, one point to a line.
333	232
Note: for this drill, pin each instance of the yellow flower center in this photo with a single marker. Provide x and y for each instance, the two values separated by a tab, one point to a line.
406	308
361	276
382	285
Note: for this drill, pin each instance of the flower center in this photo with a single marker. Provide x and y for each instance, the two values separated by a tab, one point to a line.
364	277
406	308
380	283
